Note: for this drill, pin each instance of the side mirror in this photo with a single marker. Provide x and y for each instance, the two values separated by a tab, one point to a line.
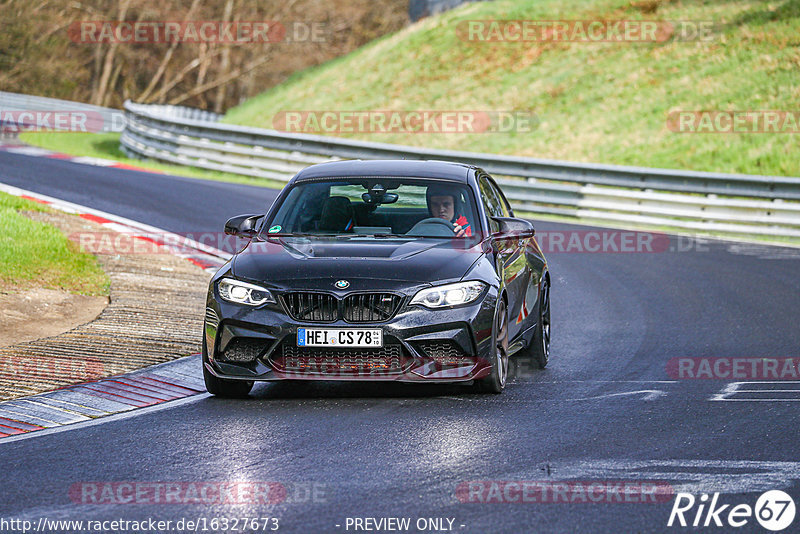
242	225
513	228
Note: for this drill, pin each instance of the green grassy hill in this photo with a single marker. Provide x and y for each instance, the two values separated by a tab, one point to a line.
595	102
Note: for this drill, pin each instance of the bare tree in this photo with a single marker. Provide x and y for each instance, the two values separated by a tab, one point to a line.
100	96
165	60
224	61
220	81
40	53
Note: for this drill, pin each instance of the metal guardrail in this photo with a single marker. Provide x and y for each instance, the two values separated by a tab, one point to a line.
98	119
182	112
699	201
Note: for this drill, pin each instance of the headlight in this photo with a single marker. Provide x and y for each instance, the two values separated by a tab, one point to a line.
243	293
449	295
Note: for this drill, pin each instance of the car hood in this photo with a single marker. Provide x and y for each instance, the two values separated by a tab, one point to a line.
309	261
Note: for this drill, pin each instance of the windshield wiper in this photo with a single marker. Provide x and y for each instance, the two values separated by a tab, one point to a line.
299	234
306	234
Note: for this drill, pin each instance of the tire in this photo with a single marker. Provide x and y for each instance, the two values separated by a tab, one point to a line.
539	349
496	381
221	387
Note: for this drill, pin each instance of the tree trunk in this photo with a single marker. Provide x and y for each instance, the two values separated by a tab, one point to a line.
108	64
164	61
219	102
219	81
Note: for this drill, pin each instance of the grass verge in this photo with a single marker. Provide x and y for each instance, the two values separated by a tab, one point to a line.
34	254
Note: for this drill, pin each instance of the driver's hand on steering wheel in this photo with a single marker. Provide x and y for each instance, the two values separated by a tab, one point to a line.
459	231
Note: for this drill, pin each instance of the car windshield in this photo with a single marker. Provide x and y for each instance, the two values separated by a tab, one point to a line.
377	208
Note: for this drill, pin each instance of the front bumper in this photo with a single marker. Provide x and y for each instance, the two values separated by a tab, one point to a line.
420	345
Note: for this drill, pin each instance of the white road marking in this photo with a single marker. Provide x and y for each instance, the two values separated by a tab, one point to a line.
608	381
766	252
691	476
739	392
97	162
649	394
29	151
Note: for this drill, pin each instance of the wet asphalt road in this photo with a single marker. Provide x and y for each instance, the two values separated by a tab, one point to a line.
606	409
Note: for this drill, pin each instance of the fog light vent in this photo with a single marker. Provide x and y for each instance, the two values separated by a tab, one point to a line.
211	318
445	352
243	350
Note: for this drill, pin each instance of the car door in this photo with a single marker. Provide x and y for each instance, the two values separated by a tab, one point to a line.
512	265
535	266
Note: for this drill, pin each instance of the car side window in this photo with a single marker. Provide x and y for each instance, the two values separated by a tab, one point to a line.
487	206
501	200
491	203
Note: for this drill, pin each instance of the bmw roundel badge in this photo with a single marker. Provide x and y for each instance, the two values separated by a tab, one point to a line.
342	284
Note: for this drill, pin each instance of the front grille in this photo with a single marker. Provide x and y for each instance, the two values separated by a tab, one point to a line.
322	360
314	307
243	350
357	308
370	307
444	352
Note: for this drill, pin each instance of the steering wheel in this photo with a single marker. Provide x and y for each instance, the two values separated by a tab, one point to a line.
432	227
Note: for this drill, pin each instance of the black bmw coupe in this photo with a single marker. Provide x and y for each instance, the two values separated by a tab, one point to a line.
413	271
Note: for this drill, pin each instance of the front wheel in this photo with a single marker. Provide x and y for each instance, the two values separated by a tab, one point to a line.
221	387
496	381
540	345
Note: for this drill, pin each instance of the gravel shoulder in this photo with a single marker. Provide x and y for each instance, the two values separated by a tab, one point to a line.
34	313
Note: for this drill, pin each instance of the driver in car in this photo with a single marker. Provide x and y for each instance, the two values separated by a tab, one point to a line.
444	204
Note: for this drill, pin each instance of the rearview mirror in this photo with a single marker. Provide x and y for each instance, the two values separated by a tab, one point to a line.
383	198
513	228
242	225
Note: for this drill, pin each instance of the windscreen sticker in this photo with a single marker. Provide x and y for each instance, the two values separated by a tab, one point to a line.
275	229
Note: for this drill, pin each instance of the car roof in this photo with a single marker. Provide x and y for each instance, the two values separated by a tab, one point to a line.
400	168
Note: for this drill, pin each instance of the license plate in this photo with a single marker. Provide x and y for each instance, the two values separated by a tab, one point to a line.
339	337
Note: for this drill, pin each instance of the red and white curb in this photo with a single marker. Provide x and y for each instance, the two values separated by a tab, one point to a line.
202	255
84	403
27	150
152	386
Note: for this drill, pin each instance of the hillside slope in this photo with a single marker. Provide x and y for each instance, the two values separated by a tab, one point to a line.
596	102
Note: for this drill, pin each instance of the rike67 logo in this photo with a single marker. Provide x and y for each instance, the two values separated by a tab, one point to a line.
774	510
